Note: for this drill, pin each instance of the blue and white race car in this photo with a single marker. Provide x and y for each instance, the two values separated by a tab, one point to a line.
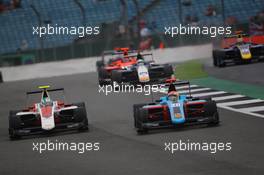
175	110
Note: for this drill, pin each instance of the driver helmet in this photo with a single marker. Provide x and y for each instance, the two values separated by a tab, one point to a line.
239	38
140	61
173	96
45	99
173	93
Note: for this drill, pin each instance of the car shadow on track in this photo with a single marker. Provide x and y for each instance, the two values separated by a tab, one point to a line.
177	129
50	135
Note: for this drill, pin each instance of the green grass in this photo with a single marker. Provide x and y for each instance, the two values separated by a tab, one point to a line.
194	72
230	86
190	70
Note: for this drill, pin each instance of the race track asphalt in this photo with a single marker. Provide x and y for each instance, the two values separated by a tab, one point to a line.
122	151
246	73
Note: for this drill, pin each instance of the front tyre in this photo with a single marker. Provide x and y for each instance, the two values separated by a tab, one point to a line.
116	76
14	125
136	108
212	113
142	118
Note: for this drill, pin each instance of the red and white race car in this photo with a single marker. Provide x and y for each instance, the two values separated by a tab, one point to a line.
46	116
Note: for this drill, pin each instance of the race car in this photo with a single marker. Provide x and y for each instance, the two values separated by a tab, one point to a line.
47	116
118	60
242	50
143	71
175	109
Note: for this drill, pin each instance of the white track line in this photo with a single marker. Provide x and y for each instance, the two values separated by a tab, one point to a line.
184	87
195	90
179	88
227	97
208	94
252	109
241	102
241	111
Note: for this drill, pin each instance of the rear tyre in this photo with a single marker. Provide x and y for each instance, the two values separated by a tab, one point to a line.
102	75
99	64
214	62
81	116
14	125
215	57
220	62
168	70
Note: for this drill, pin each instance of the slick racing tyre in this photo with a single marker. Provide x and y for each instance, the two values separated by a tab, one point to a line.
102	75
99	64
142	118
136	108
217	58
14	125
81	116
211	112
168	70
116	76
215	120
220	62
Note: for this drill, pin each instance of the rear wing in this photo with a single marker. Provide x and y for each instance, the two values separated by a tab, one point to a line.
116	52
238	34
142	54
40	91
44	88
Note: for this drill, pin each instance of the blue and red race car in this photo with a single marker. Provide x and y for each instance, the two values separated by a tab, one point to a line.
175	110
